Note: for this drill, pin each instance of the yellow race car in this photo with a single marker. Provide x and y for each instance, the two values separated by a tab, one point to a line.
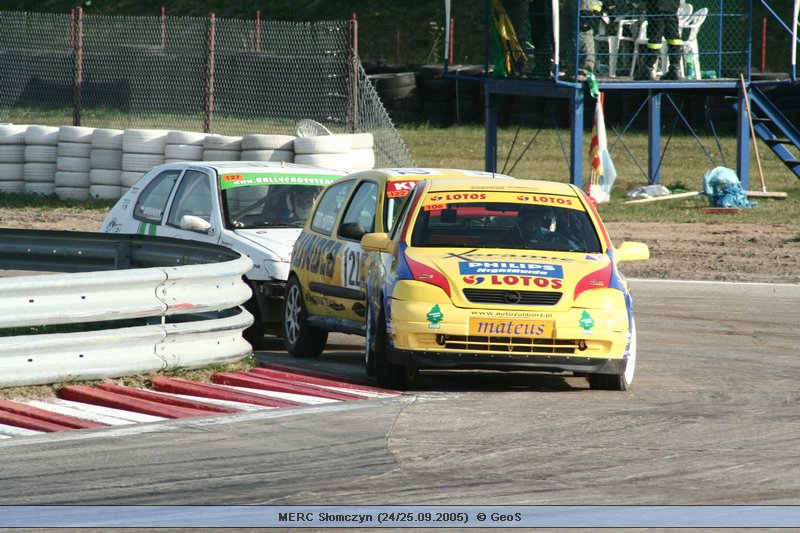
511	275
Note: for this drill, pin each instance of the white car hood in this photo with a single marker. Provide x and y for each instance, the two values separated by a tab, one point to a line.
278	242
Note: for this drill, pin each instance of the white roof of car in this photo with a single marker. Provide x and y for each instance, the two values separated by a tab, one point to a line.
229	167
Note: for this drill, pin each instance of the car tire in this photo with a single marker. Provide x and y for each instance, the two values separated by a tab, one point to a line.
623	381
369	344
388	374
300	338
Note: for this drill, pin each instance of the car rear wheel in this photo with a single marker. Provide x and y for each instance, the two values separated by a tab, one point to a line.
388	374
300	338
618	382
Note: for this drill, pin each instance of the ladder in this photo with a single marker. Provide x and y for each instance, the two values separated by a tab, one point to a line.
772	127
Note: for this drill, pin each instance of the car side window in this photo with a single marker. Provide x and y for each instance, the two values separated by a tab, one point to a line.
152	202
360	213
329	205
402	214
193	198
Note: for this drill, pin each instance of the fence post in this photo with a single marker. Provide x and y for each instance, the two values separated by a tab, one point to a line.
77	62
163	27
354	88
258	30
208	119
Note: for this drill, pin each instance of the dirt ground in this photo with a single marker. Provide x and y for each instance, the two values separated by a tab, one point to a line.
723	252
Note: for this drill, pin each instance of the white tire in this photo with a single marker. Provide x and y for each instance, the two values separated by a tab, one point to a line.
360	141
140	162
40	189
71	179
47	135
107	139
140	141
268	155
12	171
12	153
39	172
12	187
105	158
129	179
221	155
71	149
105	192
102	176
332	161
186	137
41	153
12	134
75	134
362	159
257	141
77	194
325	144
222	142
184	152
73	164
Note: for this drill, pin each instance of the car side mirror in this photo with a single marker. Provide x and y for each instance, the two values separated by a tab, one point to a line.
376	242
193	223
351	230
631	251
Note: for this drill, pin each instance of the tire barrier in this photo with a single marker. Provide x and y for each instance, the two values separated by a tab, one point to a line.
148	304
78	163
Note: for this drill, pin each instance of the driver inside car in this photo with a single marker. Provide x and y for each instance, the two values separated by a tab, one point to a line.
536	226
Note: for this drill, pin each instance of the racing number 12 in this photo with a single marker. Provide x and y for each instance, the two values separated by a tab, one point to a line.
351	266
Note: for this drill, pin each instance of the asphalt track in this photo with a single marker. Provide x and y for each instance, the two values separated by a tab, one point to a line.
712	419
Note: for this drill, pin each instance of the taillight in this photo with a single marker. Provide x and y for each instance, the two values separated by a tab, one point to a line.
599	279
424	273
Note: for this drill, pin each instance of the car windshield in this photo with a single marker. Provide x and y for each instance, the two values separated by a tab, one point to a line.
505	225
269	205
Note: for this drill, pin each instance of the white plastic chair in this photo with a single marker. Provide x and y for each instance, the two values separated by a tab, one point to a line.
627	29
693	26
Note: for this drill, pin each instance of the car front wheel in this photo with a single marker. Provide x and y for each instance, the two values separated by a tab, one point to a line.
300	338
388	374
623	381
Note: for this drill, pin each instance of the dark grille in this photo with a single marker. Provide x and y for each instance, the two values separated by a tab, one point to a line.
510	345
498	296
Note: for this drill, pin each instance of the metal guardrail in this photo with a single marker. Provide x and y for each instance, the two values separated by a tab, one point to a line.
111	277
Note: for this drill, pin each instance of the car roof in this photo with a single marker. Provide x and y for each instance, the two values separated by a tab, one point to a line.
234	167
419	173
532	186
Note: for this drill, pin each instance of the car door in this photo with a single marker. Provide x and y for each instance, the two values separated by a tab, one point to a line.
316	257
195	196
150	207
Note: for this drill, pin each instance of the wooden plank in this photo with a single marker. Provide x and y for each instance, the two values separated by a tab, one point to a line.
763	194
665	197
721	210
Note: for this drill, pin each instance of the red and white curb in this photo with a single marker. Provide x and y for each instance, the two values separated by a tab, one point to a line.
105	404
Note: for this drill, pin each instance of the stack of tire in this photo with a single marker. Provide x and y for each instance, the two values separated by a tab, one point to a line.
184	146
260	147
326	151
12	158
141	150
222	148
41	154
362	153
105	176
73	163
399	94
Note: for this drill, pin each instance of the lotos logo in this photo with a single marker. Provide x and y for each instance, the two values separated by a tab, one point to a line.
457	196
473	280
523	198
525	281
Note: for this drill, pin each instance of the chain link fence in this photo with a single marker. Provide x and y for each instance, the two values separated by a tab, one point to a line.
215	75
